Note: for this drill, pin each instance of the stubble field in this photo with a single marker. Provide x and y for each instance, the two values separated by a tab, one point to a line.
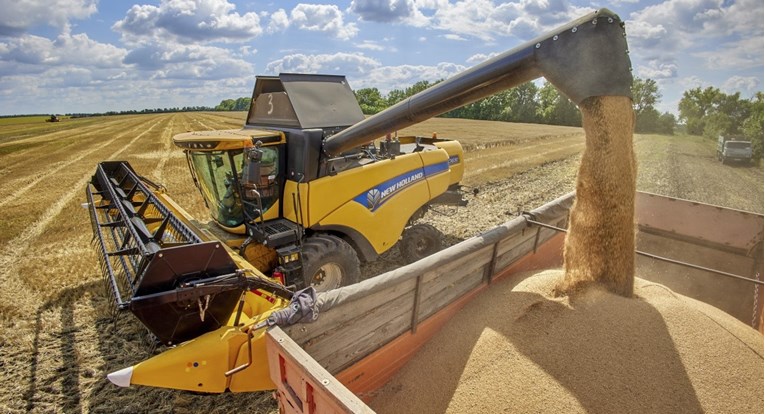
57	341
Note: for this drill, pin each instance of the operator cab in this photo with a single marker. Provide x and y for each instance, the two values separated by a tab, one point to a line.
217	161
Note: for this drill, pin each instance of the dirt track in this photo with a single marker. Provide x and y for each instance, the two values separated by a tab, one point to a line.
56	340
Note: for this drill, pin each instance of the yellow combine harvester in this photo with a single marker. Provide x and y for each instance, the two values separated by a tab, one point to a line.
300	194
289	201
285	203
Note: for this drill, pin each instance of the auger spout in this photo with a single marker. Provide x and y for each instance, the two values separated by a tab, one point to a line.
586	57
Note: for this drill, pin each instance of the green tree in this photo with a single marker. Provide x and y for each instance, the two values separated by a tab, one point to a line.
753	126
418	87
695	105
242	104
645	96
522	104
556	109
666	124
395	96
711	112
370	100
226	105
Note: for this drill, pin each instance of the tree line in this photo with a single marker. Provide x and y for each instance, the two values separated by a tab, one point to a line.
531	104
140	111
239	104
713	113
708	112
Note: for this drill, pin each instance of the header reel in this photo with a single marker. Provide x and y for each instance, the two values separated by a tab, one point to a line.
178	285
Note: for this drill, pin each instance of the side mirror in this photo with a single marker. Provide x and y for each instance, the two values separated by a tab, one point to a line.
251	171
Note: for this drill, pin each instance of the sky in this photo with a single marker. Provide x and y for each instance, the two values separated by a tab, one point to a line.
73	56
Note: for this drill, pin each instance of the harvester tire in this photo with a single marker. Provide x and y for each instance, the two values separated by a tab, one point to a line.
419	241
329	262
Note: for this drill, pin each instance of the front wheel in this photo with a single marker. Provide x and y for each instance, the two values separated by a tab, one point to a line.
419	241
329	262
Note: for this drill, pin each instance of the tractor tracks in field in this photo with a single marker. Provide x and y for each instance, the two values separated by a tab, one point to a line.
14	291
167	150
63	164
65	133
537	154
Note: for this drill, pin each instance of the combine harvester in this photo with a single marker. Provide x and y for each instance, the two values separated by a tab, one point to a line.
332	349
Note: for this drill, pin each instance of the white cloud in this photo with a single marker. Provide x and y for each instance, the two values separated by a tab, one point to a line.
693	81
31	94
680	24
383	10
744	53
645	34
370	45
338	63
247	51
323	18
35	54
480	58
18	16
386	78
657	70
740	17
467	18
452	36
176	61
188	21
390	11
485	20
279	22
748	85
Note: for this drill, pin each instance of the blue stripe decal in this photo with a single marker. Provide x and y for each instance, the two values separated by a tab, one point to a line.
436	168
378	195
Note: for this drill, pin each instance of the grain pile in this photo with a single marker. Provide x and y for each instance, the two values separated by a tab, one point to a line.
518	348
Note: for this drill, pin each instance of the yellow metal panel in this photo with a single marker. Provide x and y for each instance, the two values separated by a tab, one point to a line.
436	171
331	192
383	226
196	365
200	364
378	199
230	139
288	209
255	377
456	160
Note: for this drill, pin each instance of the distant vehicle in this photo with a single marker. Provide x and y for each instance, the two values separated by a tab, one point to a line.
733	149
53	118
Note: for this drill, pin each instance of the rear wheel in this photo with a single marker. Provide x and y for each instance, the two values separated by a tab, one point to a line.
419	241
329	262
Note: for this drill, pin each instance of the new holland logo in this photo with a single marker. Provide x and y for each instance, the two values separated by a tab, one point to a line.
377	196
373	198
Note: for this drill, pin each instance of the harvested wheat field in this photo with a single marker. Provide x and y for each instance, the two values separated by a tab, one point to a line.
57	339
518	348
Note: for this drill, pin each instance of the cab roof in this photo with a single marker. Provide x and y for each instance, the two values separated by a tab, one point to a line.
225	139
303	101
